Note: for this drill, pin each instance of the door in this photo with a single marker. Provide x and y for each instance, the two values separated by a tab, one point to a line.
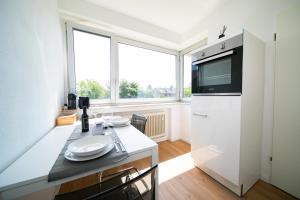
286	133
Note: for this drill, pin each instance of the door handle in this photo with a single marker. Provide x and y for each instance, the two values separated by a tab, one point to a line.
200	115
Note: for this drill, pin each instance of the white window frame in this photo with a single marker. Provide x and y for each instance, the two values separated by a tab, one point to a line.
71	60
156	49
189	50
114	65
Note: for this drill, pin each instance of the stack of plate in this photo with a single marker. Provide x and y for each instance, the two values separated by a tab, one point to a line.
119	121
89	147
114	121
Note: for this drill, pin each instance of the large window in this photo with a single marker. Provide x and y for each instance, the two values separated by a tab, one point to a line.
145	73
187	75
111	69
92	65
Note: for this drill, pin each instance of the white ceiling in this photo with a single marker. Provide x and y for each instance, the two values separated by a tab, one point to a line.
178	16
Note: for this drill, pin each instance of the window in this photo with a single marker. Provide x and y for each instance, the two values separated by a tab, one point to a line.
111	69
146	74
92	65
187	81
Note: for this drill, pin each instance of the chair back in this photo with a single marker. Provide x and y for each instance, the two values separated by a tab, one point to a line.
139	122
128	185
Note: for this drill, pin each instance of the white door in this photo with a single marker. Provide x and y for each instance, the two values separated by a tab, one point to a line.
286	133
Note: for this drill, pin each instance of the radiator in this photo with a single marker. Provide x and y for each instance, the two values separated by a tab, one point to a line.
156	123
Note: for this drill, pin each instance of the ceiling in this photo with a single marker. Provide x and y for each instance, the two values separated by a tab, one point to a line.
174	24
178	16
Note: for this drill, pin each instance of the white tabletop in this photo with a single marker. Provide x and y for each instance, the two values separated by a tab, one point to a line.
36	163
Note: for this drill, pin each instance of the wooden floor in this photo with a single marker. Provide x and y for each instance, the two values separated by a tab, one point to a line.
191	184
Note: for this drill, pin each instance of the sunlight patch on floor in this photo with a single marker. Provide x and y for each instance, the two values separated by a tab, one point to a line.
174	167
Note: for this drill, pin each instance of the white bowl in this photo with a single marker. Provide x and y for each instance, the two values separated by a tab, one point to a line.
89	145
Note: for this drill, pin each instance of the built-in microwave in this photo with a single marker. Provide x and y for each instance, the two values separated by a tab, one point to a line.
217	70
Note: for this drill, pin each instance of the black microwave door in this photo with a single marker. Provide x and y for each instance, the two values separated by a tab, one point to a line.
237	71
219	76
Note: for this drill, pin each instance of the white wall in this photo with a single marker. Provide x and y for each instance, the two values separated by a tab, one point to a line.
185	122
31	74
258	17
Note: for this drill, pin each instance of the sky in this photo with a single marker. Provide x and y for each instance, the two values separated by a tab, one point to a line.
92	61
92	57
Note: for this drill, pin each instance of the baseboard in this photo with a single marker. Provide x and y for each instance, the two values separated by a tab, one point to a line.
160	139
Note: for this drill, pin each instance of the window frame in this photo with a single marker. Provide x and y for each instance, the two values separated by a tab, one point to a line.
156	49
71	59
114	65
189	50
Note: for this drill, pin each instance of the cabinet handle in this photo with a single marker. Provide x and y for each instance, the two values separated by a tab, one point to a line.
201	115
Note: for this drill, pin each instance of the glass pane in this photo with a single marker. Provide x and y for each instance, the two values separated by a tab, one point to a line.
92	65
215	72
146	74
187	67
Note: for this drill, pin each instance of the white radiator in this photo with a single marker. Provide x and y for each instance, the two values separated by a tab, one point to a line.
156	123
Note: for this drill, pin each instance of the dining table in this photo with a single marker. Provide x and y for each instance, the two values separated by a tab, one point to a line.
29	173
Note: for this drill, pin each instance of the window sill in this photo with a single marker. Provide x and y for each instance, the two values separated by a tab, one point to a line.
135	106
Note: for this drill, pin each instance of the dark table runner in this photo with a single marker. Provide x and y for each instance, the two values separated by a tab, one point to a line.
64	168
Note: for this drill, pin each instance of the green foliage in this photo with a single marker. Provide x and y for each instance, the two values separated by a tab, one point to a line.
148	93
187	92
92	89
128	90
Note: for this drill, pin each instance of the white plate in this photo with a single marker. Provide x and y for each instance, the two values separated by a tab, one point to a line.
89	145
72	157
119	121
119	125
108	118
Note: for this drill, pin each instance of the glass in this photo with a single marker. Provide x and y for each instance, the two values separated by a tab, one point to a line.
215	73
92	65
145	73
187	73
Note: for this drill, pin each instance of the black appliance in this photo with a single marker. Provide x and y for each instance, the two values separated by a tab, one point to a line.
84	102
71	101
217	70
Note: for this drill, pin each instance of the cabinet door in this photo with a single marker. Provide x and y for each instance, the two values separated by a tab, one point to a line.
286	132
216	134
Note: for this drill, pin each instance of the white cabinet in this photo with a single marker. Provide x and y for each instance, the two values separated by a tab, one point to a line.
216	134
226	130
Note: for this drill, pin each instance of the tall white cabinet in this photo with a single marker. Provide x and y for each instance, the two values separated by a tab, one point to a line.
226	130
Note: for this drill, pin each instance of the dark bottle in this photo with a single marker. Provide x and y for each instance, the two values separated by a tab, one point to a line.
85	120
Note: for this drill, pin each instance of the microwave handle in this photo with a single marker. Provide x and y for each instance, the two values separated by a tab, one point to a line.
214	57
